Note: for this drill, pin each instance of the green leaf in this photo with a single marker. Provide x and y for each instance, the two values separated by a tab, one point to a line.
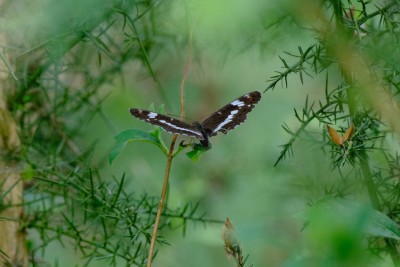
371	221
132	135
196	152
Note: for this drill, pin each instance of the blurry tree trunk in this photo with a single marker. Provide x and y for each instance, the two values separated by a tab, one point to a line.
13	250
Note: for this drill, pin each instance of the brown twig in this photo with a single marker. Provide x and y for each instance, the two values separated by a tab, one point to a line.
169	159
162	200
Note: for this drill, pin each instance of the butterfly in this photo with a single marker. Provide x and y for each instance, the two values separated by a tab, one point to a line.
223	120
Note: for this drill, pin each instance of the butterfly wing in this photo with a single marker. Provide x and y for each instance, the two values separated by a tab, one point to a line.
231	115
167	123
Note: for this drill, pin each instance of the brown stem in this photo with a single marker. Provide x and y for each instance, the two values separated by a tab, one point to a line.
162	200
169	159
12	242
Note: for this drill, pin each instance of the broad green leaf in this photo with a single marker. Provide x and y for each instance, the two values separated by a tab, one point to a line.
196	152
132	135
371	221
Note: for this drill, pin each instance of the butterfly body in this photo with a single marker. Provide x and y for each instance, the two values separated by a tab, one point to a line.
223	120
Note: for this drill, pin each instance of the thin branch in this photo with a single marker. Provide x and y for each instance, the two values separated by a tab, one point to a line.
287	147
296	67
162	200
169	159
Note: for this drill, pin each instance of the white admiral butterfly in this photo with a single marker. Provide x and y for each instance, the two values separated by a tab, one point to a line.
223	120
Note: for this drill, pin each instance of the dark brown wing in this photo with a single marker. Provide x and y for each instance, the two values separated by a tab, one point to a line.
168	124
231	115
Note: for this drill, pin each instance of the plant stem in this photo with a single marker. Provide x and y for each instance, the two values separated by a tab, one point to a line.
365	168
348	67
170	157
162	200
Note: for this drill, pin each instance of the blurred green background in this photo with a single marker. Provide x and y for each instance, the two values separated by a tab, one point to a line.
235	47
236	178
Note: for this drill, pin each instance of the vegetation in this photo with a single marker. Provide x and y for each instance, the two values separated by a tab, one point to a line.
65	63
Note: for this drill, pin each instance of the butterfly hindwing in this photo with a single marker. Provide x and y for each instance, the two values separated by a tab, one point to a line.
167	123
231	115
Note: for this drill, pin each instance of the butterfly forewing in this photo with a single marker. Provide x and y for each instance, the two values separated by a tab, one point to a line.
231	115
169	124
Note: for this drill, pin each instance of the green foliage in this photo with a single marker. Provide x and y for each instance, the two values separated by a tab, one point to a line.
197	151
59	88
67	61
335	227
346	55
363	218
136	135
102	220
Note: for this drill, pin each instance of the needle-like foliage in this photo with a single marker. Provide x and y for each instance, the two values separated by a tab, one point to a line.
356	51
